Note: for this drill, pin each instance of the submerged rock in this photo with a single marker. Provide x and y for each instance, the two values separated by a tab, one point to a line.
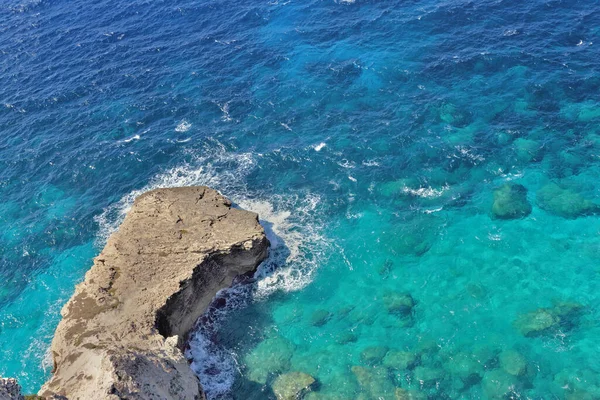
375	382
321	396
400	360
452	115
373	355
334	386
568	309
363	374
498	384
568	313
271	356
415	234
527	150
362	315
427	376
123	330
292	385
385	268
414	242
320	317
400	304
346	337
345	310
10	389
564	202
464	366
513	362
403	394
564	315
536	322
578	384
510	202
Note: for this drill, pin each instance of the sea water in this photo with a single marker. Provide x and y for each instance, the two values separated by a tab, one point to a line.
370	136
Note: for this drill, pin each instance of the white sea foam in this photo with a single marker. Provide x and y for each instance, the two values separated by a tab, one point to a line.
215	367
292	222
225	110
371	163
320	146
425	192
225	42
183	126
296	251
131	139
297	245
346	164
201	172
469	154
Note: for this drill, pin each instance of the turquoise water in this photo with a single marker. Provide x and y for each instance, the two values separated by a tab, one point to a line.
372	137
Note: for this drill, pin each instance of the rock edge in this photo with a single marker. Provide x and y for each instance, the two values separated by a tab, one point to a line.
123	331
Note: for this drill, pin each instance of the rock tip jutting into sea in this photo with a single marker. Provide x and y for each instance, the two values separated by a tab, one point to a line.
123	330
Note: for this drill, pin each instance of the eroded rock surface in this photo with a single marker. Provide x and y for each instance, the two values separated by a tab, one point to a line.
10	389
123	329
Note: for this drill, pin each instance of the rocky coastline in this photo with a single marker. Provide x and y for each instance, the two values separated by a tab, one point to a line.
124	329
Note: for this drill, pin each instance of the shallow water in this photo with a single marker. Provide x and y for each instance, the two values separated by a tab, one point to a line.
370	137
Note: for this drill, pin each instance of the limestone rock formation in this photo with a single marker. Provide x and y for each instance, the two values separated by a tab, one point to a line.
123	330
10	389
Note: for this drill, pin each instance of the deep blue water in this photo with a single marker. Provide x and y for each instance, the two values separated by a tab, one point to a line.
369	135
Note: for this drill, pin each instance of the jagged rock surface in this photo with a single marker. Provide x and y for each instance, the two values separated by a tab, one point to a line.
10	389
122	331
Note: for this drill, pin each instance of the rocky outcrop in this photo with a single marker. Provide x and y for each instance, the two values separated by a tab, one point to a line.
510	202
565	202
123	331
10	389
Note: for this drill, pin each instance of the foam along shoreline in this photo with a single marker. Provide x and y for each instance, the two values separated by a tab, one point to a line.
124	329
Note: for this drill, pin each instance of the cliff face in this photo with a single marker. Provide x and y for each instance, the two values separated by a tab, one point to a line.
122	331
